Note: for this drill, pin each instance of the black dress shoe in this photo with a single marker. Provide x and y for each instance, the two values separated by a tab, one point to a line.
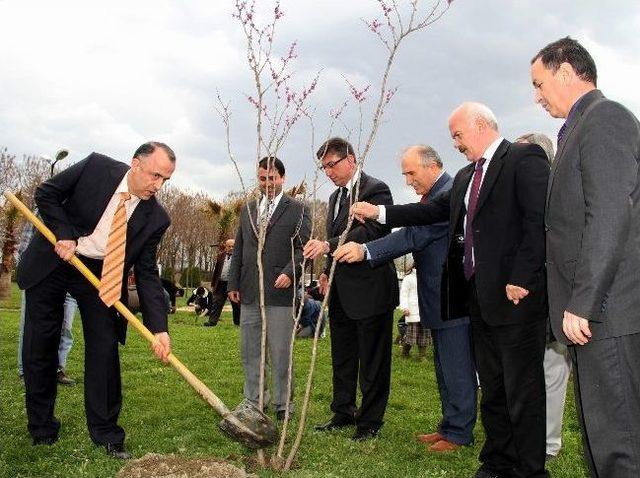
116	450
486	473
49	440
363	434
335	423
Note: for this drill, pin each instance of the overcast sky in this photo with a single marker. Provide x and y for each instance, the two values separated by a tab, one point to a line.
107	76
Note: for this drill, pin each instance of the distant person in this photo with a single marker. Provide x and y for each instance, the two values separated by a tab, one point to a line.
287	222
219	282
66	335
592	221
557	363
415	335
201	299
309	318
104	211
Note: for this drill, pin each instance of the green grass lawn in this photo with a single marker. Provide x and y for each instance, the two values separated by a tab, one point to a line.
162	414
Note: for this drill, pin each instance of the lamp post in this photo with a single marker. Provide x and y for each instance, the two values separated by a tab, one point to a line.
60	155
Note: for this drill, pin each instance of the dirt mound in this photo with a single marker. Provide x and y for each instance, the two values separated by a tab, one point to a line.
153	465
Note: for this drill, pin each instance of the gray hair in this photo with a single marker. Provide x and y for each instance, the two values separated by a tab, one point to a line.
479	111
426	153
541	140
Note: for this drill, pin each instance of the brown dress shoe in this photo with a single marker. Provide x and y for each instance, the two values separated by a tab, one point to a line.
443	446
430	437
64	379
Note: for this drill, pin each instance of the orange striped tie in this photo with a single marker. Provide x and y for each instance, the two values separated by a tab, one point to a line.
113	265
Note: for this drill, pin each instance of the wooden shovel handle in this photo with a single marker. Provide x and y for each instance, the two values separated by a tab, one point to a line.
196	383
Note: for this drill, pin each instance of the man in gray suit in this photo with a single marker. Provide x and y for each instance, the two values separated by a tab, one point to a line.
287	222
592	221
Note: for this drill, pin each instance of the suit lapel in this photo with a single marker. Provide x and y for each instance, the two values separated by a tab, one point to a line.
139	218
330	209
438	185
105	187
458	192
492	173
585	103
282	205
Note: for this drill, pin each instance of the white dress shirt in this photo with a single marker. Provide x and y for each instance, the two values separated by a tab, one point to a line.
274	204
95	244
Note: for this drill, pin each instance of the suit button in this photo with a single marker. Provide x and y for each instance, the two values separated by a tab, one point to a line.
546	228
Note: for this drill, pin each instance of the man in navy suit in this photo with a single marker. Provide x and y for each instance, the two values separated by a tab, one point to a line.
79	205
454	366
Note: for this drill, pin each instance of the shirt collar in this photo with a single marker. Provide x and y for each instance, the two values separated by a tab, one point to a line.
276	201
353	180
491	150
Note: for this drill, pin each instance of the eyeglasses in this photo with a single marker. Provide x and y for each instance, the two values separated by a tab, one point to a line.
330	164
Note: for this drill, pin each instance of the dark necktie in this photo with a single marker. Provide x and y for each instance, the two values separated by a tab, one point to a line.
423	199
468	264
563	129
343	200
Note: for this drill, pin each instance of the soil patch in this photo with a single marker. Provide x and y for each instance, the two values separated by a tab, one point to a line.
153	465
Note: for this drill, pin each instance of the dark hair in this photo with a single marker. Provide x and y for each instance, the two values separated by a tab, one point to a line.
270	162
148	148
337	146
568	50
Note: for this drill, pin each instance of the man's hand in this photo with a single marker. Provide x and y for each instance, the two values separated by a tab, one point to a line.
363	210
234	296
315	248
406	312
162	346
576	328
515	293
349	252
282	282
66	249
323	283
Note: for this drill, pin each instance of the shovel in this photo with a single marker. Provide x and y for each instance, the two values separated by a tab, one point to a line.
247	424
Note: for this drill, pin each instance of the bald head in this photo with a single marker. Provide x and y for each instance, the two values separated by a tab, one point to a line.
473	128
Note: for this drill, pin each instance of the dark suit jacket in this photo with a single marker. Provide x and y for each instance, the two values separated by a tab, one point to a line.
289	227
429	246
217	270
71	203
593	220
508	235
364	291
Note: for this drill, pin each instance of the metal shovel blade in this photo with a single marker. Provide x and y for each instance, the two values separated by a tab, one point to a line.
248	425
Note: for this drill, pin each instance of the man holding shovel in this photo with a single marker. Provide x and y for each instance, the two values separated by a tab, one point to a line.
105	212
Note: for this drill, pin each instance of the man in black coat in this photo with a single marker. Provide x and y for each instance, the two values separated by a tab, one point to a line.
362	300
495	273
79	205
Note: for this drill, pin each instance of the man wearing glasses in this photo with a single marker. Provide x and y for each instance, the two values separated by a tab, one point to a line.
362	298
105	212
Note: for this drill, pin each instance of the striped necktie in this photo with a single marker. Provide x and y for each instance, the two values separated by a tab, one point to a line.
113	265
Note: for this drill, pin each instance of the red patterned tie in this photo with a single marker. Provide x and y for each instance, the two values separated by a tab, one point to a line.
468	262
